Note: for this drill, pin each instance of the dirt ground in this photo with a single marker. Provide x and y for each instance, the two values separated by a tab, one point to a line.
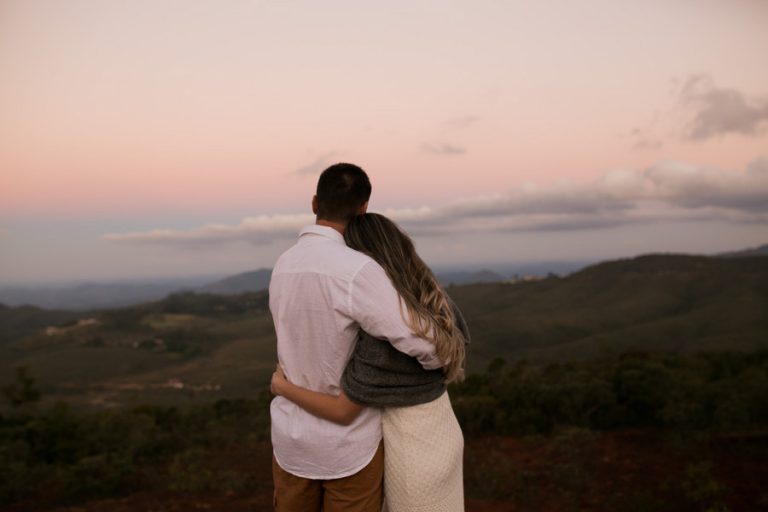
572	470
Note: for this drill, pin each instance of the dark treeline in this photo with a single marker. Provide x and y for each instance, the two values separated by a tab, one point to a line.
75	454
713	390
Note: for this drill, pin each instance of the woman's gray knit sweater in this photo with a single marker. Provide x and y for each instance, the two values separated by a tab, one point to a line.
379	375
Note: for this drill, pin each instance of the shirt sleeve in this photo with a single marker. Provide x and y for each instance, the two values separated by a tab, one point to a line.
375	305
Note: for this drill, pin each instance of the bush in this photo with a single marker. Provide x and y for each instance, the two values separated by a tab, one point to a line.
634	390
77	455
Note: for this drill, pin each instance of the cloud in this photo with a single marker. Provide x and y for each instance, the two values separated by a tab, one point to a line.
648	143
701	110
690	186
443	148
461	122
531	199
317	166
449	126
720	111
259	230
668	191
646	137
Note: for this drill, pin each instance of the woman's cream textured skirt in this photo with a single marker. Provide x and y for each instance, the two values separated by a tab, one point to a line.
423	455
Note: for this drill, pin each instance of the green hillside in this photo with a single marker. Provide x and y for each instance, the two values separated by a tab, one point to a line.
648	303
16	322
183	348
199	347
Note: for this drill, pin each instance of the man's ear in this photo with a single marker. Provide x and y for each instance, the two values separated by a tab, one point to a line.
363	208
314	205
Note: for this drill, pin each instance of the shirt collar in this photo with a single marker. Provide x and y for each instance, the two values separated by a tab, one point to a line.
326	231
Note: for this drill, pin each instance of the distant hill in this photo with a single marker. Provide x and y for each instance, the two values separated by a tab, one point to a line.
456	278
754	251
539	268
102	295
220	345
196	343
254	281
18	321
258	280
653	302
106	295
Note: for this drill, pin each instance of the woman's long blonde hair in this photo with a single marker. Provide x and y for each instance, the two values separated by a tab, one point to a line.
430	315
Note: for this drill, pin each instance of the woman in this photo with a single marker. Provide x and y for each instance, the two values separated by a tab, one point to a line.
423	442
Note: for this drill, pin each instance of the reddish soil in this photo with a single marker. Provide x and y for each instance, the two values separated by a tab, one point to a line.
573	470
618	471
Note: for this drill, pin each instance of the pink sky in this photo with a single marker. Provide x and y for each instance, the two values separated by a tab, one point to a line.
166	110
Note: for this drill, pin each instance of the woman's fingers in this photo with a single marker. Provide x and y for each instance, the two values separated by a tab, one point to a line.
278	377
275	377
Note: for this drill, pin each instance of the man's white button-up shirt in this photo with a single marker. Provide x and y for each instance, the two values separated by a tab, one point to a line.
321	293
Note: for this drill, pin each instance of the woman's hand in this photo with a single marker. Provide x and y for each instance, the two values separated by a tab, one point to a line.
335	408
277	386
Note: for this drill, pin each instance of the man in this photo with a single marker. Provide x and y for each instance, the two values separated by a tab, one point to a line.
321	293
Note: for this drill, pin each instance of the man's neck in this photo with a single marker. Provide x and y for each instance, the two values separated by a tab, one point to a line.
338	226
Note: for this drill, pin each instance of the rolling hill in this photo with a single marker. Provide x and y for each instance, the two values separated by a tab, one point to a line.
254	281
761	250
192	346
654	302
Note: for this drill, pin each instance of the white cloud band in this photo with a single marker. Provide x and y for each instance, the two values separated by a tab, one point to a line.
666	192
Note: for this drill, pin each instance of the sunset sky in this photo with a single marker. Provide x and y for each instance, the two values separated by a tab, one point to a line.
150	138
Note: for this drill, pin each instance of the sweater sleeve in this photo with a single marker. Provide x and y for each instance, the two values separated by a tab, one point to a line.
376	307
379	375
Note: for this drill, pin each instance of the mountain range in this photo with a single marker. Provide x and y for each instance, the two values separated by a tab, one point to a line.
86	296
101	295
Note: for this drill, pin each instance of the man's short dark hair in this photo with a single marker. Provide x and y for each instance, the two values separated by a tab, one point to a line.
341	190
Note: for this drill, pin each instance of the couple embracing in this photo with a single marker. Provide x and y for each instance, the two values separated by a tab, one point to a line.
366	341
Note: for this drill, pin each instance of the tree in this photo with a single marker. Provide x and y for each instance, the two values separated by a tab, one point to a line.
23	390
